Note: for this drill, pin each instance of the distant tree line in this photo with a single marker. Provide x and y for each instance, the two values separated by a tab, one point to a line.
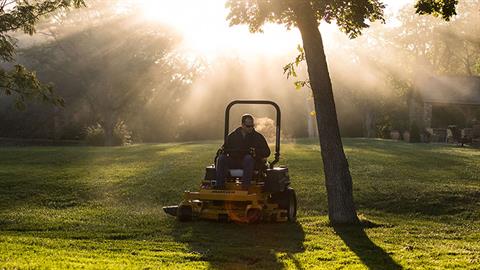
109	69
122	79
385	61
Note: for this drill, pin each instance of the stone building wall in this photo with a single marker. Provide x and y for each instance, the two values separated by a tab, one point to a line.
427	115
420	113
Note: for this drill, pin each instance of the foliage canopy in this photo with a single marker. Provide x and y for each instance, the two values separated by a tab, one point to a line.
22	16
444	8
350	15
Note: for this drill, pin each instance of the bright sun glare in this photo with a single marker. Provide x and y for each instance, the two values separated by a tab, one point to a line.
205	29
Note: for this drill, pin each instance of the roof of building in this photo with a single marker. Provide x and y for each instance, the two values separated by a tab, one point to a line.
449	89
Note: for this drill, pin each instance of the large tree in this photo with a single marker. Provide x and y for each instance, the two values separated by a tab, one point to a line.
351	16
22	16
117	67
306	16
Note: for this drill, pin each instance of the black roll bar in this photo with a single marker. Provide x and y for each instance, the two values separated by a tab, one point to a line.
277	122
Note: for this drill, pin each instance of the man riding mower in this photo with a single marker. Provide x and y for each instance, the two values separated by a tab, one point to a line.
242	186
244	149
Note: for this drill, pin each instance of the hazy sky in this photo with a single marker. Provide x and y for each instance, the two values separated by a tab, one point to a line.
206	32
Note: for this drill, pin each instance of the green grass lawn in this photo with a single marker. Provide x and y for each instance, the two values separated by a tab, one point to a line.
82	207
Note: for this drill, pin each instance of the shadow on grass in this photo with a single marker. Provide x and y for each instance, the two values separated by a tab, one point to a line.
241	246
372	256
433	204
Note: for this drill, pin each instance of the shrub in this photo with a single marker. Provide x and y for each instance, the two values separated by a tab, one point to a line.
95	135
268	129
121	134
384	131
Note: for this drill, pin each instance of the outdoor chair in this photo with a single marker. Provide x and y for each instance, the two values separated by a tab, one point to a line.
476	134
439	135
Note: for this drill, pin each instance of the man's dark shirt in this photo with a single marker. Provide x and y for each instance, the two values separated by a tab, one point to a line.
236	141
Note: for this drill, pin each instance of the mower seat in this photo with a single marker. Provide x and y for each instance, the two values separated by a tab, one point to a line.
236	172
211	172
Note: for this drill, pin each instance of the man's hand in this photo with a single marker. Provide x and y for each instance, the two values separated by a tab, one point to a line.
251	151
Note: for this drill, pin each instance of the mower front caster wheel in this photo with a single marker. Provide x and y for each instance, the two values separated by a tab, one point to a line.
184	213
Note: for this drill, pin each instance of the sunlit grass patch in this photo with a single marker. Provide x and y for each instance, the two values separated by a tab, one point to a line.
85	207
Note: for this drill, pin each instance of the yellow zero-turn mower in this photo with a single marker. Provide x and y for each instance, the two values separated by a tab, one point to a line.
267	198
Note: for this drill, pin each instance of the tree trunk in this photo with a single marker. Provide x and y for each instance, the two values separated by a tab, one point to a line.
368	123
311	128
108	128
55	124
338	180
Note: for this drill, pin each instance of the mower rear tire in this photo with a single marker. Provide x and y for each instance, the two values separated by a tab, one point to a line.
254	215
287	200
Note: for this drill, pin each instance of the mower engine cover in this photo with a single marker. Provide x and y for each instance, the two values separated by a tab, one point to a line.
277	179
210	173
